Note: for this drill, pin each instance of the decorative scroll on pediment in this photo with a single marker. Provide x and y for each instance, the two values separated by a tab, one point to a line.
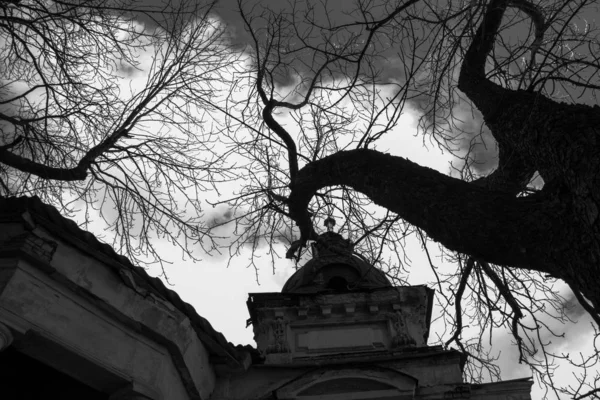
278	336
401	336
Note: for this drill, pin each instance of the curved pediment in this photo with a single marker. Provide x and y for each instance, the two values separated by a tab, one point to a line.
335	274
350	383
335	268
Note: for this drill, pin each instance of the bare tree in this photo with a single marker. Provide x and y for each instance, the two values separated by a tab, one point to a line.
104	104
520	74
311	96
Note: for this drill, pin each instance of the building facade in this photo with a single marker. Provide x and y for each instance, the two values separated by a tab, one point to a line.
82	322
340	330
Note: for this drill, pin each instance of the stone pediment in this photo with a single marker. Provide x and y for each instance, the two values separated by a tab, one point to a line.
293	326
335	267
335	273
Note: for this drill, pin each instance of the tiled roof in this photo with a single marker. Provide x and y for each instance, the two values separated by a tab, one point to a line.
48	217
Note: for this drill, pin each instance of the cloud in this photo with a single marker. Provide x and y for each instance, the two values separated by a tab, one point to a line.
573	307
218	216
229	12
306	25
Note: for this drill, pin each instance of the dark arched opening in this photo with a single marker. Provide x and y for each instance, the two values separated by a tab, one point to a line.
337	283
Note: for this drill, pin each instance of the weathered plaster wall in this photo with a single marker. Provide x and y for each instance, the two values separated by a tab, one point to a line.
79	303
156	317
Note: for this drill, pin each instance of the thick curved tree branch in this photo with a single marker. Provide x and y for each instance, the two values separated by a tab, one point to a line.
482	44
472	79
489	225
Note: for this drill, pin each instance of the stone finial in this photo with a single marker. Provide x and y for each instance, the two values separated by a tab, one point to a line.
329	223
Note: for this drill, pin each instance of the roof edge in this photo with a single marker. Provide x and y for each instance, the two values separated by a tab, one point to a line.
67	230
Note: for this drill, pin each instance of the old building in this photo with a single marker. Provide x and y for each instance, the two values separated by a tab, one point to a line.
83	322
340	330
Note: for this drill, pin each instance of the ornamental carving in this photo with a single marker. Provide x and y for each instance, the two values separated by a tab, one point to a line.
278	342
401	337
